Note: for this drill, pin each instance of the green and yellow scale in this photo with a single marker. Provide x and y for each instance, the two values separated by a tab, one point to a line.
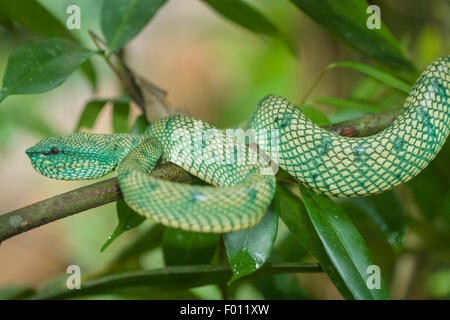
241	191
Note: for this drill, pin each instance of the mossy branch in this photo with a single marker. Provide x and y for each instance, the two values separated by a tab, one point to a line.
100	193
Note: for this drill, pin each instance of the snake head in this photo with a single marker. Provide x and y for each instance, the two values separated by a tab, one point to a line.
77	156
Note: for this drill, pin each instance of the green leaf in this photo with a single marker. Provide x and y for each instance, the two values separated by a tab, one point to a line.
375	73
90	114
169	278
128	257
33	16
149	240
250	18
352	104
343	243
140	125
41	65
5	21
128	219
15	292
387	212
121	111
280	287
294	215
122	20
314	114
366	89
437	284
346	20
249	249
188	248
431	187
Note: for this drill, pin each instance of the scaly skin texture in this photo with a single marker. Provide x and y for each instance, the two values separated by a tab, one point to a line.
242	190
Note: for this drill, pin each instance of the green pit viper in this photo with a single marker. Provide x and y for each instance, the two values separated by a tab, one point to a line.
240	192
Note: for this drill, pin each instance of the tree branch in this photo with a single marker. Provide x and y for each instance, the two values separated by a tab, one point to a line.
107	191
168	278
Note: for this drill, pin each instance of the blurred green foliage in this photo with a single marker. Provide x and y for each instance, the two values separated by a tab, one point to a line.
259	50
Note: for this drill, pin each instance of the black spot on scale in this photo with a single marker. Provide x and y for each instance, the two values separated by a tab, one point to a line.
439	88
425	118
252	194
324	146
399	144
283	122
150	186
168	123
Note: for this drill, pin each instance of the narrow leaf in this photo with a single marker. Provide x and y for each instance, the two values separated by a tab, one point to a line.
128	219
139	125
188	248
41	65
352	104
250	18
294	215
249	249
15	292
280	287
375	73
314	114
121	111
347	20
343	243
122	20
90	114
387	212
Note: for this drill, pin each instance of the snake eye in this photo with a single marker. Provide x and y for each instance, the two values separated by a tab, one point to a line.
53	151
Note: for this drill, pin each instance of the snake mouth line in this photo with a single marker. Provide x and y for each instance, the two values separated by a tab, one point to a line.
62	152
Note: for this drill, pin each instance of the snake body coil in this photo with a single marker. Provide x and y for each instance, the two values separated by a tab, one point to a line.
242	189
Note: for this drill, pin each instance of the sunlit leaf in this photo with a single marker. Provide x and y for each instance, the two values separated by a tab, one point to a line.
41	65
35	17
122	20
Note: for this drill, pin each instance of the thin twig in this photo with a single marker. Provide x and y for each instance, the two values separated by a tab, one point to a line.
168	278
